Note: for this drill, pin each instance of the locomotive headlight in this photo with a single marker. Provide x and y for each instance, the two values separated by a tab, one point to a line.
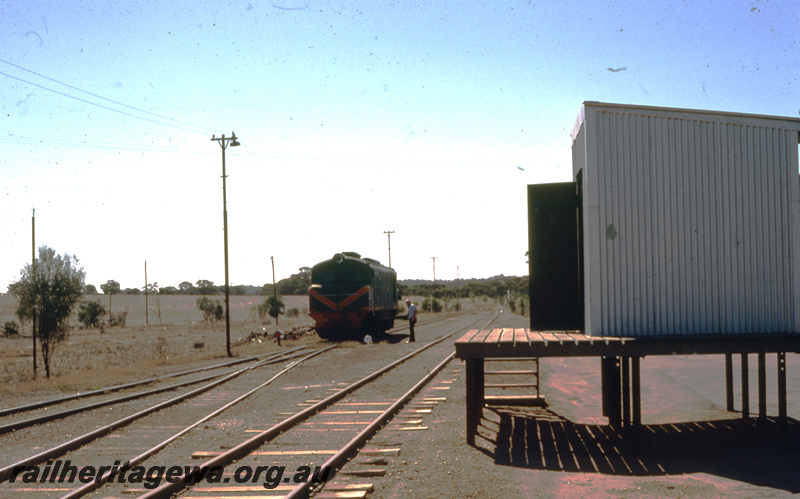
338	258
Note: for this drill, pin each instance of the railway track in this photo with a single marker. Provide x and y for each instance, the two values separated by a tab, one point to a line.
48	416
102	391
379	398
146	439
7	413
105	429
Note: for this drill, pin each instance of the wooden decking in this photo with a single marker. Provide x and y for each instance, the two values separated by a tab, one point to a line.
620	362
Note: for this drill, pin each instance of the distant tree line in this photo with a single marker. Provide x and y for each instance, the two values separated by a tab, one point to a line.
493	287
297	284
510	291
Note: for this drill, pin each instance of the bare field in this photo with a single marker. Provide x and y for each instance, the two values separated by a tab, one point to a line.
159	342
173	309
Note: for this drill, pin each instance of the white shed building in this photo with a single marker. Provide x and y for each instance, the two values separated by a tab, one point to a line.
689	220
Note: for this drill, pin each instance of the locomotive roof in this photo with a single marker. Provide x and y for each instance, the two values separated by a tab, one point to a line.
349	256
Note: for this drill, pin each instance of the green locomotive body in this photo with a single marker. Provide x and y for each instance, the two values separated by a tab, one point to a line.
351	296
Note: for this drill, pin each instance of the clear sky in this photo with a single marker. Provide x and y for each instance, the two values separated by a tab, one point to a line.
423	118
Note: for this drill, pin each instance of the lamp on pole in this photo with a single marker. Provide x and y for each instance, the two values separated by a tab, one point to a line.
389	233
224	142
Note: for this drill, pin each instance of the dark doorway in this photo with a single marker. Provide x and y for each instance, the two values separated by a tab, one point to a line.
554	256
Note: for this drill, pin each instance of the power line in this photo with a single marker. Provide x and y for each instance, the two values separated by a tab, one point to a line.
88	144
204	129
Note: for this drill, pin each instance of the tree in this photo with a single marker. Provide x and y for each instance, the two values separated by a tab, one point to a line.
296	284
111	288
50	287
272	306
89	313
212	309
186	287
206	287
91	289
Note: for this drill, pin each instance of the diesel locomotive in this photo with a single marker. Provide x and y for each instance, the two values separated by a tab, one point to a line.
352	296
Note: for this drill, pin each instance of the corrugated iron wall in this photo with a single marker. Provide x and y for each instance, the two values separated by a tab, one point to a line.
690	225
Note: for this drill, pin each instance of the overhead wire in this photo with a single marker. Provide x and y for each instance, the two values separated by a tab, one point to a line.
97	96
102	145
96	104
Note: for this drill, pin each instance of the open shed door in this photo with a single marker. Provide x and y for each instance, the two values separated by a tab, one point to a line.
554	256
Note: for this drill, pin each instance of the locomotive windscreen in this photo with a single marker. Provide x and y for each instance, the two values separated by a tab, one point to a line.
341	274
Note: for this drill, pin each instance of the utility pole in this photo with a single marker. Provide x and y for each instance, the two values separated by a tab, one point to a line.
275	292
433	293
223	143
33	276
389	234
146	306
458	301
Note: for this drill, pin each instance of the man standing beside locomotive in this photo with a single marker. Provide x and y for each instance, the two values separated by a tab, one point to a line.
412	319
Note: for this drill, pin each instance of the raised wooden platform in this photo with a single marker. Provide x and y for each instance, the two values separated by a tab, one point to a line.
620	361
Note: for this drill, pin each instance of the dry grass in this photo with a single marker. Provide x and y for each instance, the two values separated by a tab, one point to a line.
95	358
147	346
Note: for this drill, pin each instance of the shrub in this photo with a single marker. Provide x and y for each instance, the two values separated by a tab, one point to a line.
426	305
524	306
89	313
10	329
212	309
119	319
293	312
272	306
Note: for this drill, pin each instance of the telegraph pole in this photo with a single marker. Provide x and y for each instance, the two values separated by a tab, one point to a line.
433	293
389	234
33	278
223	143
146	307
275	291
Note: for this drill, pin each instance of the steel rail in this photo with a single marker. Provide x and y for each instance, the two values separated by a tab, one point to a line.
351	448
344	454
77	442
170	488
98	482
45	403
124	398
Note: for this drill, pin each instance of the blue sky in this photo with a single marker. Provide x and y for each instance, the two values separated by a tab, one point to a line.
355	118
